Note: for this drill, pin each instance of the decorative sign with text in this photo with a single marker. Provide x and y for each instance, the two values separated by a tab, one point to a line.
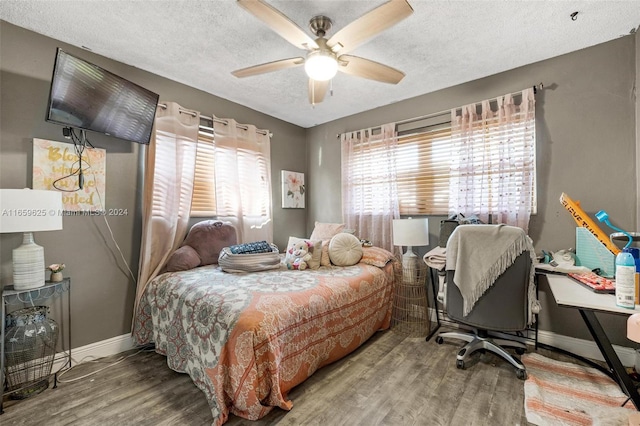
56	166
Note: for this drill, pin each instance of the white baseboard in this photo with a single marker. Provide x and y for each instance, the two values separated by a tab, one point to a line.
103	348
585	348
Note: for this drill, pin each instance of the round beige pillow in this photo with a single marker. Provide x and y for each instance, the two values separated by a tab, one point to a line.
345	249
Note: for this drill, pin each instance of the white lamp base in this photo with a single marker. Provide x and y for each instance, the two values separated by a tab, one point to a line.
28	264
410	266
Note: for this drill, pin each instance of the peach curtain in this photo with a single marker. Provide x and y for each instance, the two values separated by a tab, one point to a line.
492	173
369	189
168	187
243	179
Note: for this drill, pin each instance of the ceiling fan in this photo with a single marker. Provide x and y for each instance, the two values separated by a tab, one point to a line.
326	57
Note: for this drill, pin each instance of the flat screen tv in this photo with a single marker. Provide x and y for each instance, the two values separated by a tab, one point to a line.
86	96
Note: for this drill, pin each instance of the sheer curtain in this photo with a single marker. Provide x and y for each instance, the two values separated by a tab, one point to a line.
492	172
243	179
369	191
168	186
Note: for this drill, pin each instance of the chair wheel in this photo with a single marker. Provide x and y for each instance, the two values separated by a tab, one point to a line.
521	374
520	351
460	364
439	340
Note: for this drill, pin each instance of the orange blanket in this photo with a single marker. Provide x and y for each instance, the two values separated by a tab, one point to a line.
246	340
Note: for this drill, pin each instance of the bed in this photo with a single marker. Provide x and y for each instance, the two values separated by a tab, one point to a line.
247	339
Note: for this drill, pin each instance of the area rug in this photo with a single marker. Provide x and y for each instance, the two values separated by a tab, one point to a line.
562	393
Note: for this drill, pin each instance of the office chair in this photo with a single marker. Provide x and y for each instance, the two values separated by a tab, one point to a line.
505	305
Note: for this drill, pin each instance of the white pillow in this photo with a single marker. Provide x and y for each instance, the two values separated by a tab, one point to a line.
345	249
325	231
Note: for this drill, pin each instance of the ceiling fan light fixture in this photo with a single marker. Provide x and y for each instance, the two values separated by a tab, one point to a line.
321	65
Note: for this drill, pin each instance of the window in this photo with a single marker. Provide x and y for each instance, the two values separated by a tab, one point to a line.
422	163
247	167
494	161
370	161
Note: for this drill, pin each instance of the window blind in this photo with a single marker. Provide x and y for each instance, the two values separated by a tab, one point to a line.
247	165
422	170
367	180
203	202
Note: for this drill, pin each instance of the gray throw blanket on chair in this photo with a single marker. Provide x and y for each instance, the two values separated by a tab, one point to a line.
482	255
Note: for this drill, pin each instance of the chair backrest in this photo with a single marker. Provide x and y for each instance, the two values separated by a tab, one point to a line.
493	265
503	307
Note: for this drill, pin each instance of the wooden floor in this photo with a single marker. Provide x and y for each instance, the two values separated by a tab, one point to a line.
390	380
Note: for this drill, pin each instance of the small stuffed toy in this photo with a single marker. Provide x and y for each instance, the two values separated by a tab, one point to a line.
298	255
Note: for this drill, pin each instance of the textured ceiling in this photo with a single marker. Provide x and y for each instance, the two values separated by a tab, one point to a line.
442	44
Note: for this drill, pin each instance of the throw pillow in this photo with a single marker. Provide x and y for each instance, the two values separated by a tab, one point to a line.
208	238
376	256
314	248
202	245
345	250
183	259
326	231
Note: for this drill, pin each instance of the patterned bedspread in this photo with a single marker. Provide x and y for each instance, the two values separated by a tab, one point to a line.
247	339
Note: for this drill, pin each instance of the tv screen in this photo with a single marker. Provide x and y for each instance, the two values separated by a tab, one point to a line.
88	97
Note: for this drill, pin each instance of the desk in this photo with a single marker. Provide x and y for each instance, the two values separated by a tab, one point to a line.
570	294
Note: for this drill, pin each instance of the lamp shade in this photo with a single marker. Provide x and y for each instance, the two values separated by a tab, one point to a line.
411	232
30	210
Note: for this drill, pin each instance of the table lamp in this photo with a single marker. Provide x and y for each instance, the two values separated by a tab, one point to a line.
28	211
410	233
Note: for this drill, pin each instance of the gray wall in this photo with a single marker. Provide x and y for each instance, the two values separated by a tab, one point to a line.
637	96
103	294
586	136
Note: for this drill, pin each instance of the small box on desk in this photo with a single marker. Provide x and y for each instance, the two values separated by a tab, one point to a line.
593	254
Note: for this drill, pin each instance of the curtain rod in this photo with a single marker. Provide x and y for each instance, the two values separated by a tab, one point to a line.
217	120
536	87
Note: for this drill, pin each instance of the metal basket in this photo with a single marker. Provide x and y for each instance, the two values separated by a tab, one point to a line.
410	315
30	347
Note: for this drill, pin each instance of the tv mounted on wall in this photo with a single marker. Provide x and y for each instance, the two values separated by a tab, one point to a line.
88	97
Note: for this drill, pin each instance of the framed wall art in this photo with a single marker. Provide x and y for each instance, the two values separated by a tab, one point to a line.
293	190
56	167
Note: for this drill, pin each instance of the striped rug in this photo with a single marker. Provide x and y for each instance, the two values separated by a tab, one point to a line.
561	393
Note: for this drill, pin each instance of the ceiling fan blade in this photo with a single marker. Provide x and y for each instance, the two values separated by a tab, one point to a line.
279	23
317	90
366	68
367	26
268	67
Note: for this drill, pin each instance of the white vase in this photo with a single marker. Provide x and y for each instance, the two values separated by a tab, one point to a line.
56	277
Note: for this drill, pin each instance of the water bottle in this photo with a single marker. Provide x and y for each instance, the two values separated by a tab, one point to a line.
635	251
625	279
